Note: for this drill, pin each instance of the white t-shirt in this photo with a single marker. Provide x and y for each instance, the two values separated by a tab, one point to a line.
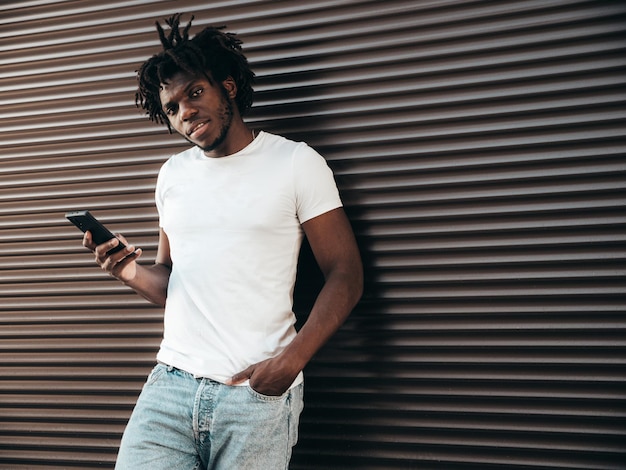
233	224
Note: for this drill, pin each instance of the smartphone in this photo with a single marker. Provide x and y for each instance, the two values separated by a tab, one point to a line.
99	233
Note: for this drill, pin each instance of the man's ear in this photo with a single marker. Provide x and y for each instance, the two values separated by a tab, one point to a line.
231	87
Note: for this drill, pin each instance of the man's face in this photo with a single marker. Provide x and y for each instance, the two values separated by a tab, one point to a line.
198	109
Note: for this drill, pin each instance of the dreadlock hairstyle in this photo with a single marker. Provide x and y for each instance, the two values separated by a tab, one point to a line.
211	53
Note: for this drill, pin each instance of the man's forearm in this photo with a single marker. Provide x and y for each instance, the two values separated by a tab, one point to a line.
340	294
151	282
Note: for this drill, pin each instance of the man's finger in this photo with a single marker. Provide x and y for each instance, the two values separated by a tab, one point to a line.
241	376
87	242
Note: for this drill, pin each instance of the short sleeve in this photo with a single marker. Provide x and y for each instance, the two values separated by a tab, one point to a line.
315	186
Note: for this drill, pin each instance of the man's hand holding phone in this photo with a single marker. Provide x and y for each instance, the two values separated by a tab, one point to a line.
113	253
119	263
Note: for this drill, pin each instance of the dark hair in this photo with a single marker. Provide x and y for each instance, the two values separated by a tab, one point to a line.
215	54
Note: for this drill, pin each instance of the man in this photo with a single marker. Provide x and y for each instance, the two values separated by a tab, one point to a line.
233	209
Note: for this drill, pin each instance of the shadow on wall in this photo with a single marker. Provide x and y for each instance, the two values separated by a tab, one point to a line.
343	381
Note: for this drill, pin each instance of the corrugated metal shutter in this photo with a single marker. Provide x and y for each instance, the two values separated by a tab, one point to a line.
479	146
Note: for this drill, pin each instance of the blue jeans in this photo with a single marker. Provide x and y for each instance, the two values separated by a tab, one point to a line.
186	423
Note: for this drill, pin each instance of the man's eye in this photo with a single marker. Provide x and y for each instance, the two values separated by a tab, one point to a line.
170	111
197	92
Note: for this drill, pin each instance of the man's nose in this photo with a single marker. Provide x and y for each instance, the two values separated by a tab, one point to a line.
187	111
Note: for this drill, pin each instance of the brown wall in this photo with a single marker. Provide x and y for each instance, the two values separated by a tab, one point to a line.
479	147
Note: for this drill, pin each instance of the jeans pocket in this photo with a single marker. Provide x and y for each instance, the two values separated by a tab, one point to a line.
157	372
265	398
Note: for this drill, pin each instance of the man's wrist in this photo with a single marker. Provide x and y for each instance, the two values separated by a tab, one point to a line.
295	360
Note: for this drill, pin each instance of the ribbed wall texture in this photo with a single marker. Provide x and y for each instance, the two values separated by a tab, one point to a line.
480	150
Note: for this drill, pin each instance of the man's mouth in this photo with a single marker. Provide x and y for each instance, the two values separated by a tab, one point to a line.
196	128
